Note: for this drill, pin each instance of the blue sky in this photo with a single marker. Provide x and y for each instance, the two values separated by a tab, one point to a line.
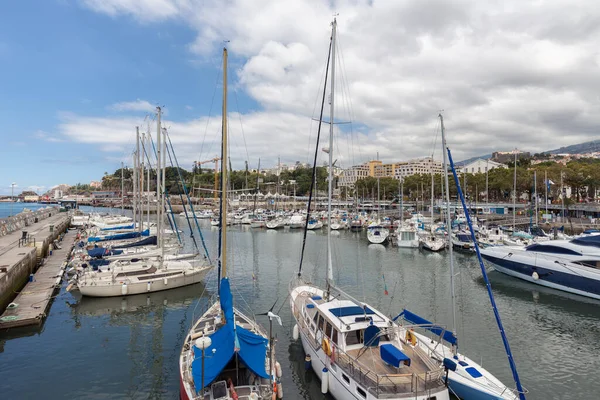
65	58
79	75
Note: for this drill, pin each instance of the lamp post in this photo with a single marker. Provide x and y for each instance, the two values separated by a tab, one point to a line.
12	197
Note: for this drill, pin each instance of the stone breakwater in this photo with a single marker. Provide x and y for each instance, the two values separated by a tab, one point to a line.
25	219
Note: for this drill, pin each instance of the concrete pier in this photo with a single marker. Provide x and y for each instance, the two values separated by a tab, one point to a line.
21	252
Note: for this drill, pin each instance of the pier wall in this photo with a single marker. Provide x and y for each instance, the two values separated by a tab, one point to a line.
15	267
25	219
19	259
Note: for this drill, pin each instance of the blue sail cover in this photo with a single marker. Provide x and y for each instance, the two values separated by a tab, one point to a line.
116	228
229	339
119	236
417	320
99	252
149	241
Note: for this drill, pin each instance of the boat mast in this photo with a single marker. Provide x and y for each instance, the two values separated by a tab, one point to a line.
449	230
257	186
163	193
431	170
136	177
515	194
141	163
122	191
330	183
223	235
158	176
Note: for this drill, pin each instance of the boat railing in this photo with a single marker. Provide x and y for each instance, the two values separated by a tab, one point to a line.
382	386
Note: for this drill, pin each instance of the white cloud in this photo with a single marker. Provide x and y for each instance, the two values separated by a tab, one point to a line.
39	134
507	74
137	105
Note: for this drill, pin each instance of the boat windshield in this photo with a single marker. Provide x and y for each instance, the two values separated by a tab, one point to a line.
540	248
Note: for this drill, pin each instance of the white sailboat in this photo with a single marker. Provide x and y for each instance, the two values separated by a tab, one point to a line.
357	352
125	278
226	354
465	377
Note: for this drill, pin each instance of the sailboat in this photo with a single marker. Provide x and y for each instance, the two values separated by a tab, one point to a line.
406	233
429	241
226	354
465	378
144	275
356	351
376	232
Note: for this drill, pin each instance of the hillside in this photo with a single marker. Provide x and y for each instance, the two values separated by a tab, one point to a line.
581	148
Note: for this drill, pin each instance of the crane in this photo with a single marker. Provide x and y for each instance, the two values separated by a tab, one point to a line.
216	161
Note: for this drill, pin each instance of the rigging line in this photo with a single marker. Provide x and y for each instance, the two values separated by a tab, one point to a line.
314	169
321	79
185	190
241	125
349	97
217	75
513	366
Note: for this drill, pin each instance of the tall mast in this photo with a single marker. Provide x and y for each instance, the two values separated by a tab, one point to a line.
330	183
163	191
431	169
136	167
141	164
515	193
158	177
448	229
223	246
535	204
122	190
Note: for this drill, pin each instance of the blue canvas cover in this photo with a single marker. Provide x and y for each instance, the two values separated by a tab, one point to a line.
99	252
149	241
229	339
417	320
393	355
116	228
118	236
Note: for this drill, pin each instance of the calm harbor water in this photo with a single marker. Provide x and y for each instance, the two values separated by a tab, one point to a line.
128	348
8	209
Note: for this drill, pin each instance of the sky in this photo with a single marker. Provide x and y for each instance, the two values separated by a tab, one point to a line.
78	76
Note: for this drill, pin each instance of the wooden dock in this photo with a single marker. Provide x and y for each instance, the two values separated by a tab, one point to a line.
33	302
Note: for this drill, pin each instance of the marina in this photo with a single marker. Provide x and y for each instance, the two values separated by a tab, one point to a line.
318	200
139	337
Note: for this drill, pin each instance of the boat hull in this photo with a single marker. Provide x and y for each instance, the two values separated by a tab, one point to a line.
156	285
551	275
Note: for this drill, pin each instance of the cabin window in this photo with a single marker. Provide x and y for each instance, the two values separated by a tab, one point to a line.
355	337
328	330
345	378
321	322
361	392
588	263
315	318
334	337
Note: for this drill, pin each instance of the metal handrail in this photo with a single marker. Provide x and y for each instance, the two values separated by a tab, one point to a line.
375	383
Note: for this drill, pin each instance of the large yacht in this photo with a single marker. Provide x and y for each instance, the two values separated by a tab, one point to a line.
569	265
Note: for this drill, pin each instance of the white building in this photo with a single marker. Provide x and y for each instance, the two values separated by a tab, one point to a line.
349	176
425	165
480	166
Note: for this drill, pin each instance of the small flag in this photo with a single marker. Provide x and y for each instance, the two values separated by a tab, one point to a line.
385	291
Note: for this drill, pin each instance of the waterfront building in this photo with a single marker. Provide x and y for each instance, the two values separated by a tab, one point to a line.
481	166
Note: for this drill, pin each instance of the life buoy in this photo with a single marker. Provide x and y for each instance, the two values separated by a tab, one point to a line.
410	337
326	346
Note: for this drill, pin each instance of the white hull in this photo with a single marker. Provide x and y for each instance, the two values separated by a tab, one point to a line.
153	284
378	235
